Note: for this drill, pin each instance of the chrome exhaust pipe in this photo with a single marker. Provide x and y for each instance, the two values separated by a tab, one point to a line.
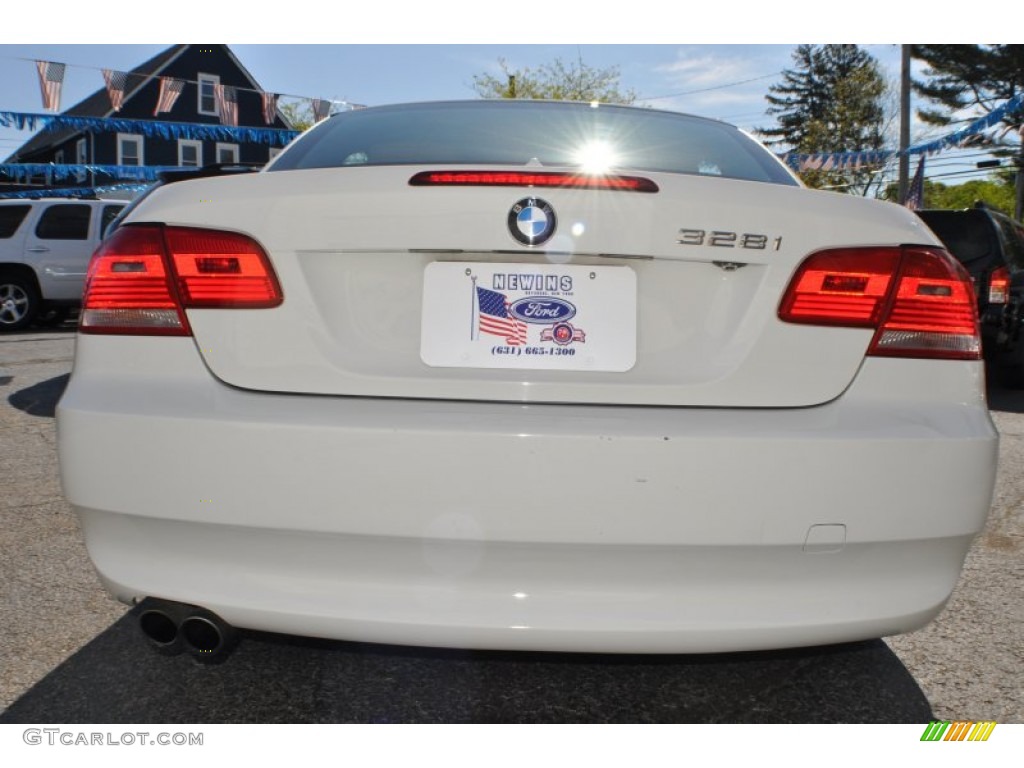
159	621
207	636
172	628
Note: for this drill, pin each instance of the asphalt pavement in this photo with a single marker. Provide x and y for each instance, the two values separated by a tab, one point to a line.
71	654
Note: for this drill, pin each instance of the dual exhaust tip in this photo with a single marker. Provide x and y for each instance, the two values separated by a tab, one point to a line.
172	628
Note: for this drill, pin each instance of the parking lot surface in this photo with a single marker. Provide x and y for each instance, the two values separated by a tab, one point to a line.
69	653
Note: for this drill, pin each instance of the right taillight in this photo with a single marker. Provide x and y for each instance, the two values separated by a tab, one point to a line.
999	286
918	300
144	277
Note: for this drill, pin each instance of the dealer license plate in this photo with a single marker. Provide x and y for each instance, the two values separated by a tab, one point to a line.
545	317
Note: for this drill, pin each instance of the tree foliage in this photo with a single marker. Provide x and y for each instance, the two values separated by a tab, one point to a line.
962	76
832	100
958	77
997	193
557	80
298	114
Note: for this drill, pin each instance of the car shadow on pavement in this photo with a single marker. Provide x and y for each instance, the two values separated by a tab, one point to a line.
40	399
117	678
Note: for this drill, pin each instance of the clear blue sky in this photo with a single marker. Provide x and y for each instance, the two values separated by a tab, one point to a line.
721	81
380	74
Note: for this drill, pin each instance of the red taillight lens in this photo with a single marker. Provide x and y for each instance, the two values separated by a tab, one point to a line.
841	287
999	286
221	269
919	299
128	288
534	179
143	278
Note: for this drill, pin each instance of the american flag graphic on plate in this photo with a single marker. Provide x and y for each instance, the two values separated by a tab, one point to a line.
493	317
51	77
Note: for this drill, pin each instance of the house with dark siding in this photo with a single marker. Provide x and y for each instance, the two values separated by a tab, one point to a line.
201	67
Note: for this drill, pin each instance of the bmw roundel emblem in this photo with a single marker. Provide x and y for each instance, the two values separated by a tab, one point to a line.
532	221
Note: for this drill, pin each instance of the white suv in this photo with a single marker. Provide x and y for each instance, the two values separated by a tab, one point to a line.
45	247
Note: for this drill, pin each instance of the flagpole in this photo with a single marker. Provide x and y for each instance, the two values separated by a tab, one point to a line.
474	313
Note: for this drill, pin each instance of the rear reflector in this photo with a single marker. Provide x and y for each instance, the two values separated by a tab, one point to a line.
919	300
523	179
144	277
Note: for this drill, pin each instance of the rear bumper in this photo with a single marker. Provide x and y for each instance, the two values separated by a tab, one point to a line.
545	527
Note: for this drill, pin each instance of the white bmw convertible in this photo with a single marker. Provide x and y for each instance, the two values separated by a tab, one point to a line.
526	375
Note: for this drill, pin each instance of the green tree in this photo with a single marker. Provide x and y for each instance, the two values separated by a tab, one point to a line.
832	100
557	80
958	77
298	113
997	193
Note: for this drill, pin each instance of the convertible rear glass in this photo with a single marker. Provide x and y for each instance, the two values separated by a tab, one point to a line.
536	135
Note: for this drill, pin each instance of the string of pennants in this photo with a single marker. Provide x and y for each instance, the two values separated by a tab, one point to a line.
51	81
837	161
151	128
24	172
77	192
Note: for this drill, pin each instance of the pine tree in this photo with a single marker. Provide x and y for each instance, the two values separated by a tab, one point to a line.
984	76
832	100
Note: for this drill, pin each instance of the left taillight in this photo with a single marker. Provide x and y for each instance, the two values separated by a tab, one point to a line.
144	277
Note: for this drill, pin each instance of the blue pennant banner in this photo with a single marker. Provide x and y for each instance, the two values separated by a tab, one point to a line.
24	172
979	125
153	128
838	161
32	194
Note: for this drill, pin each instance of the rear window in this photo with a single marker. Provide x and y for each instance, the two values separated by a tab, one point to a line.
64	222
968	235
110	213
11	217
535	134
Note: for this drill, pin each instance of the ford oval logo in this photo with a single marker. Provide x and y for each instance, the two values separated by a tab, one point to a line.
542	309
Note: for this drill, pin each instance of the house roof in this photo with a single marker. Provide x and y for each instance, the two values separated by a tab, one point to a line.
99	105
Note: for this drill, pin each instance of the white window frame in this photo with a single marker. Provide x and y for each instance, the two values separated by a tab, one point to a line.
133	138
203	77
232	148
197	145
81	158
59	157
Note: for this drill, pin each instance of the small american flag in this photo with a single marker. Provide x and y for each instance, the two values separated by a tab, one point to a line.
269	108
227	103
915	195
495	319
170	90
321	109
116	84
51	77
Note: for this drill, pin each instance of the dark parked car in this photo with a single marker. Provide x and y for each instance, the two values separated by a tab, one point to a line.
991	246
